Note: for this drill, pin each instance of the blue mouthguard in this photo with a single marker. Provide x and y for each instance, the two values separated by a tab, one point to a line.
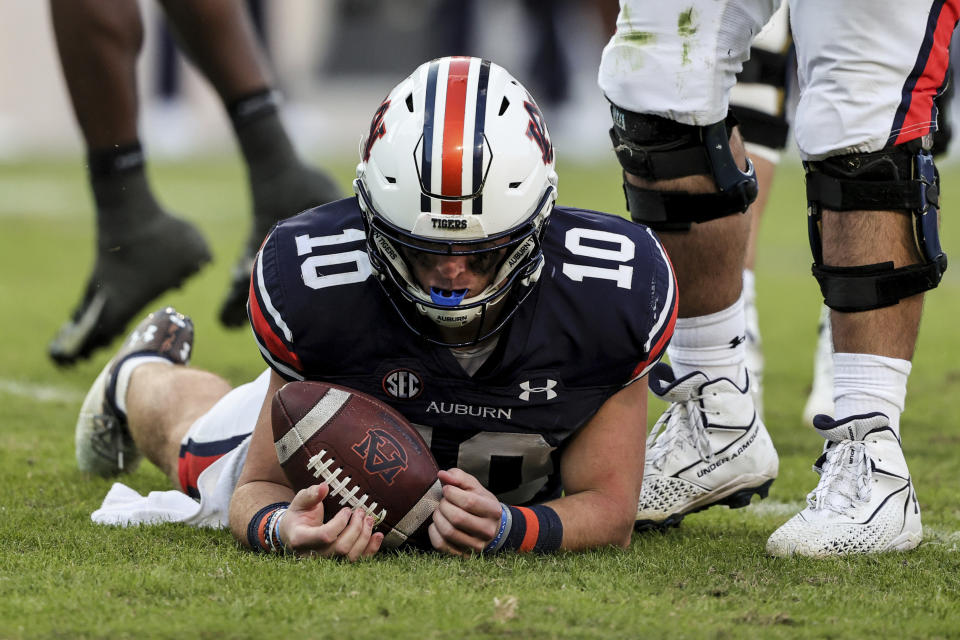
447	297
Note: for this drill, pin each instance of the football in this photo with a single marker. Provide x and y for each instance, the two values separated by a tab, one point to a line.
368	453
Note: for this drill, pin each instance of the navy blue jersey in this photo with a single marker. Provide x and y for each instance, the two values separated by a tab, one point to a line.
599	317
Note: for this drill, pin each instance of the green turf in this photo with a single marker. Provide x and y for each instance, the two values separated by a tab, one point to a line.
63	577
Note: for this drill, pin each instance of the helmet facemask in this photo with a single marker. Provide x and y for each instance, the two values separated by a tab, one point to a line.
514	259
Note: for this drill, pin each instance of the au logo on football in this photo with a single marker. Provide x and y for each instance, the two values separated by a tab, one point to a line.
382	454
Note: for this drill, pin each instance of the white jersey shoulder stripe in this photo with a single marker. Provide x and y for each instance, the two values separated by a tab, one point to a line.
267	302
665	312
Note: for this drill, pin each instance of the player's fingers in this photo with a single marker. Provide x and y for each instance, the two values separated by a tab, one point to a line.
348	537
363	540
482	504
439	543
308	499
454	537
481	528
458	478
374	545
308	536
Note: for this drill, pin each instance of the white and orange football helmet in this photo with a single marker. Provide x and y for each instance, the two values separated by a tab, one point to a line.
458	161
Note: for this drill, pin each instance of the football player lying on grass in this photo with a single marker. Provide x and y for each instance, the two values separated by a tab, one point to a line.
515	335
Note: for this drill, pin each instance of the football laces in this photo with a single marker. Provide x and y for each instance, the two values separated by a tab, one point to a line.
325	470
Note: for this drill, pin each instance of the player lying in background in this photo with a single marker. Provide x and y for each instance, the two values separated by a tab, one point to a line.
516	335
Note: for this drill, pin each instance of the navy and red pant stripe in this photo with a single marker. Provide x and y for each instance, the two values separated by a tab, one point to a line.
197	456
917	110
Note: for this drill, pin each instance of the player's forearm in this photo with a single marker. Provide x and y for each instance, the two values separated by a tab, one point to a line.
595	519
250	498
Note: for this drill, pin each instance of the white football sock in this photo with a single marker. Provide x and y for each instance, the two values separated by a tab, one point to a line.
123	378
713	344
749	286
752	320
864	383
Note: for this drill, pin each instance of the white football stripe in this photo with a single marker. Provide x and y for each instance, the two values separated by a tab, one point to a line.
311	423
417	515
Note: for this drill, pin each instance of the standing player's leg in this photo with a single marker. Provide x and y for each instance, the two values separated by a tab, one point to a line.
759	102
820	400
220	40
141	249
873	212
668	72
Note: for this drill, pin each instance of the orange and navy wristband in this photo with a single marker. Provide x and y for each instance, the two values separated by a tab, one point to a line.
537	528
263	532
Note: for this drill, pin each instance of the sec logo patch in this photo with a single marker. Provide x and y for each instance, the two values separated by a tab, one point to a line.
402	384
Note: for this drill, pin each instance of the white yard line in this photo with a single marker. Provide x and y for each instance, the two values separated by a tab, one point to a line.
40	392
948	538
774	508
40	197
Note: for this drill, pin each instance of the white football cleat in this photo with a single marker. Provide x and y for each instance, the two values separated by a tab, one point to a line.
708	448
864	502
103	442
820	400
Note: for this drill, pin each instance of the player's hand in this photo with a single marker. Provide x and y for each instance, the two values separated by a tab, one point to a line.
468	515
348	534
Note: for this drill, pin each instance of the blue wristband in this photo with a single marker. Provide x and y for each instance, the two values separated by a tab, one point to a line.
537	528
258	531
505	521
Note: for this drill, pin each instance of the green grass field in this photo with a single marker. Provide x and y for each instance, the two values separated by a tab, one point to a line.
63	577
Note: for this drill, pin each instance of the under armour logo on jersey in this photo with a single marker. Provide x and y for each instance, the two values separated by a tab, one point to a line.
547	389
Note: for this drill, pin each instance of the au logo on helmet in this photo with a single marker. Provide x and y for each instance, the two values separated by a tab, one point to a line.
537	131
377	129
382	454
